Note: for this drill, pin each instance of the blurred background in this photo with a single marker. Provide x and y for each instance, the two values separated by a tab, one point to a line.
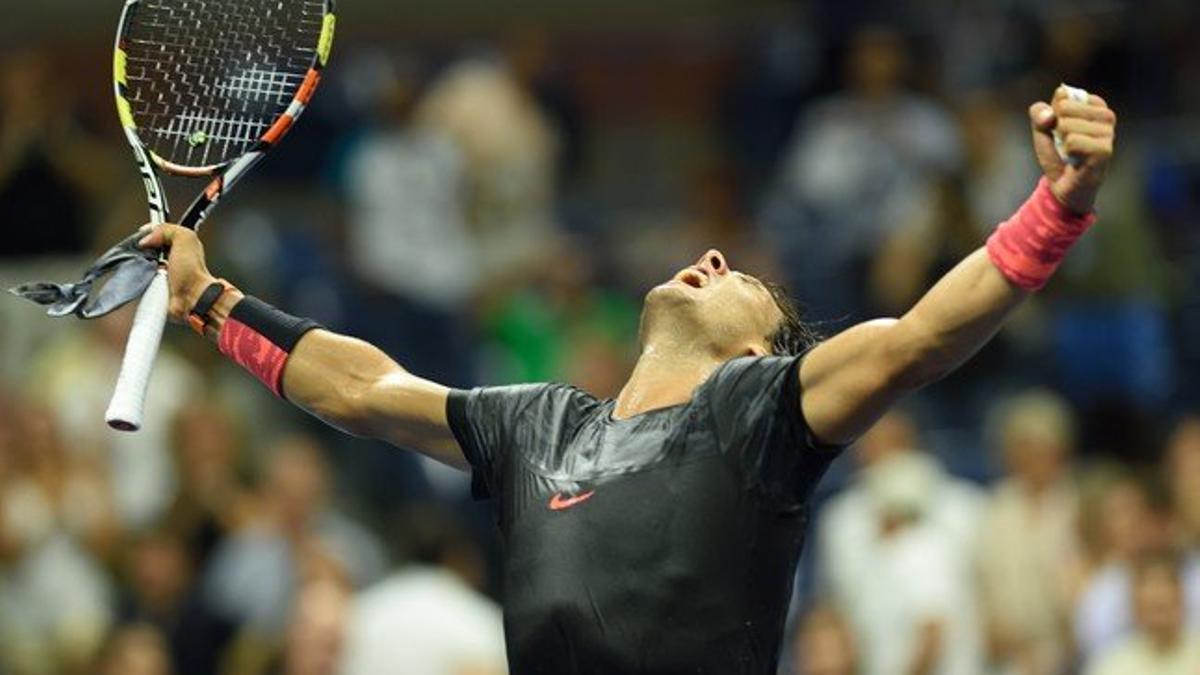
486	190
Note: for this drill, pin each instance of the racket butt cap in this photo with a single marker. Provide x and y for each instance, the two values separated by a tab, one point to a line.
121	425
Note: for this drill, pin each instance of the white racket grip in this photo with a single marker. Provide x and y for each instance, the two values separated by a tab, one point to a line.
129	399
1078	95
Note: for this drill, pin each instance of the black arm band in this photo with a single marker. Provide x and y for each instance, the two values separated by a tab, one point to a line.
281	328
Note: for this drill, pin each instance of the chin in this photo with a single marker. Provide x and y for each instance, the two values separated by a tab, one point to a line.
670	294
670	305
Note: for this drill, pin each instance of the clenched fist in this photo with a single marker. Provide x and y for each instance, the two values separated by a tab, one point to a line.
1088	131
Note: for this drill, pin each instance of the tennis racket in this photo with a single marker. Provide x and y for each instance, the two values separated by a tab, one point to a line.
205	89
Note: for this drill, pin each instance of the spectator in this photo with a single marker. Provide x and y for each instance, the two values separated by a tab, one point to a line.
897	553
316	634
858	160
510	151
849	521
136	650
53	175
1029	539
824	644
1119	523
74	375
418	264
474	162
254	574
210	501
55	600
1182	469
161	592
953	213
428	618
1162	643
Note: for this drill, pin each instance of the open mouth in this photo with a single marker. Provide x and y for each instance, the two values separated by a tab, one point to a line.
692	277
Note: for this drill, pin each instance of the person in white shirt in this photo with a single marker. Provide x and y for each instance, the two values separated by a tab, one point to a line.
427	618
1029	542
1162	644
897	555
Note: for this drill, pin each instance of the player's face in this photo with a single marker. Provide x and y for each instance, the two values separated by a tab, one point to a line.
723	310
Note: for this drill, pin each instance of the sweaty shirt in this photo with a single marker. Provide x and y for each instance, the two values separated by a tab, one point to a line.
660	544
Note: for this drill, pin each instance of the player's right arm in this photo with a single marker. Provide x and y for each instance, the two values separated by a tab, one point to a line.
343	381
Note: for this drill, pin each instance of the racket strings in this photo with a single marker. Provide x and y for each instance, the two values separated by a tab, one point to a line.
207	78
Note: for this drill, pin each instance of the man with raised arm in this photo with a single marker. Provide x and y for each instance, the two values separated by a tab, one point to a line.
658	532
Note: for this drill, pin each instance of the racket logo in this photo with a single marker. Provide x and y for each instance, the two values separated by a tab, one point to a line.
561	502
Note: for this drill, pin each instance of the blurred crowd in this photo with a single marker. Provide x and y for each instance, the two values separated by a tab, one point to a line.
491	209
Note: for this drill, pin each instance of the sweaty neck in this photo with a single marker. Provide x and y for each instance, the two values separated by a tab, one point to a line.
663	377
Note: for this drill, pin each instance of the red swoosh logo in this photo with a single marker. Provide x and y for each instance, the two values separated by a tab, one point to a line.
560	503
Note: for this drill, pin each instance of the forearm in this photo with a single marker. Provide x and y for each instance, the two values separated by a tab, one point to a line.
850	380
326	374
966	308
356	387
345	382
955	319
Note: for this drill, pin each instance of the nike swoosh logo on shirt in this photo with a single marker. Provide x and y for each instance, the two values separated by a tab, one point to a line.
560	503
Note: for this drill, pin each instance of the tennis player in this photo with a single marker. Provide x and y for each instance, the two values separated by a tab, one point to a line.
658	532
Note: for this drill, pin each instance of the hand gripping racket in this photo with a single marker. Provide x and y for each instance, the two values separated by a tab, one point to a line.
205	88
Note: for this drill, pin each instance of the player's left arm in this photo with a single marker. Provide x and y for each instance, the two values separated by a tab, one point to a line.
850	380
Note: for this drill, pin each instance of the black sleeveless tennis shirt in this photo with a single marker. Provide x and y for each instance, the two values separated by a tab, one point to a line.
661	544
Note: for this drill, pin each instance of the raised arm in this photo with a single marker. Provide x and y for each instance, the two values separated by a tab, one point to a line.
345	382
851	379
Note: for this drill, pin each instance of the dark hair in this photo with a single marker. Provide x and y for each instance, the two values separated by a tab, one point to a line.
793	336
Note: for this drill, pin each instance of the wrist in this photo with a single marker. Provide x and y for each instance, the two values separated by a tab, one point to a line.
1030	246
211	306
192	295
1075	203
259	337
220	312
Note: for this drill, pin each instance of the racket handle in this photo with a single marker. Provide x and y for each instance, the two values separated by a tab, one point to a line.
125	409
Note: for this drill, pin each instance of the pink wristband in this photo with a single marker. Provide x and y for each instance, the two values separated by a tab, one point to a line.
260	339
1029	247
254	352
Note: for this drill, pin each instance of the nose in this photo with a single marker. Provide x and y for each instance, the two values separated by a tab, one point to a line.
713	261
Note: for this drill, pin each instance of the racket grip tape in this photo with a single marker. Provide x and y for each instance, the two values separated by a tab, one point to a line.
129	398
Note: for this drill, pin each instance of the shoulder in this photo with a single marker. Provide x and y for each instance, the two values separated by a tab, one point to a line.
741	392
521	398
754	371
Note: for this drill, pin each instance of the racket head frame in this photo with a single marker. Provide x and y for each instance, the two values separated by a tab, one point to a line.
223	175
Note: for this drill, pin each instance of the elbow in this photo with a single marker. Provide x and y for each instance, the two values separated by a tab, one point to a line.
348	406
